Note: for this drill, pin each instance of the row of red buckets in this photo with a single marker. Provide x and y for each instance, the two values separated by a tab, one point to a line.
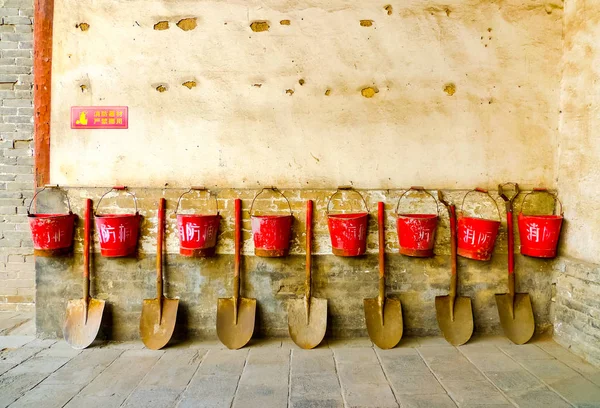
118	233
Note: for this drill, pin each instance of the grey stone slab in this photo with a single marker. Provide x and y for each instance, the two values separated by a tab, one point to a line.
406	383
9	325
514	382
254	344
402	360
526	352
369	395
487	339
474	392
40	365
114	384
432	341
18	355
124	345
457	370
549	371
14	385
41	343
579	391
23	328
315	403
565	356
48	396
4	367
174	370
213	390
316	387
83	368
355	355
489	358
60	351
595	378
361	374
264	356
261	396
193	402
426	401
14	341
361	342
265	374
312	362
152	397
540	398
223	362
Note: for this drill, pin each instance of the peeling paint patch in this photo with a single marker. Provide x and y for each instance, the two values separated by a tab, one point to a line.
369	91
187	24
189	84
285	22
259	26
450	89
327	92
161	25
161	88
83	26
290	92
389	9
366	23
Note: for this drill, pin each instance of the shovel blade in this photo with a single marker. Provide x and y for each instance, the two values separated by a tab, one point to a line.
519	329
384	336
78	331
307	336
460	330
232	335
155	334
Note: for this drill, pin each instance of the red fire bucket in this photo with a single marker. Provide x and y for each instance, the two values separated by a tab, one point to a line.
117	233
52	234
539	233
416	232
198	232
348	231
271	233
477	236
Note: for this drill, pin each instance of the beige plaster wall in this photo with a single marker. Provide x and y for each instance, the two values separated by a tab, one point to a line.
579	147
468	93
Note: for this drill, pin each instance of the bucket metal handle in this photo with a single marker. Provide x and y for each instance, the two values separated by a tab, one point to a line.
117	188
347	188
201	189
56	186
483	191
272	188
543	190
419	189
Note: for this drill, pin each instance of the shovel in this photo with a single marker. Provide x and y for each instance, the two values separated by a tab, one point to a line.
307	318
158	315
236	315
514	309
84	315
383	315
454	313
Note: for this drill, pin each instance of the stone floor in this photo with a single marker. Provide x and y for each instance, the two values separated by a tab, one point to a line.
421	372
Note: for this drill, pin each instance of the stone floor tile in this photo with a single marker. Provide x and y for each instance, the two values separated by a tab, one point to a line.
114	384
402	360
407	342
489	358
41	343
14	341
223	362
264	343
549	371
14	385
473	392
315	403
48	396
41	364
23	328
350	343
83	368
488	340
4	367
265	374
433	341
213	389
18	355
212	402
173	371
124	345
426	401
568	358
361	374
158	397
526	352
269	356
261	396
355	356
312	362
595	378
316	387
369	395
515	381
407	383
540	398
579	391
59	352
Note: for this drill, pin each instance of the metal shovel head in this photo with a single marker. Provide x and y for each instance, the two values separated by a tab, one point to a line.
235	335
520	328
307	336
78	331
460	330
156	334
384	336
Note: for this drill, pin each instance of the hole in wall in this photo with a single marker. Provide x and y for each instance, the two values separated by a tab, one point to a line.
161	25
260	26
187	24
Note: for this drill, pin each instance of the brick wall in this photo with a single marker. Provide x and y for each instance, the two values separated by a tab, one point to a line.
17	274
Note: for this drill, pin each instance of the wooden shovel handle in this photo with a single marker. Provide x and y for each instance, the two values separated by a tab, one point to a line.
238	244
159	247
309	216
453	250
87	233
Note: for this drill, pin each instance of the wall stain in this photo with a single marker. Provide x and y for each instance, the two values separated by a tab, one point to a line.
369	92
161	88
301	82
161	25
450	89
285	22
257	85
366	23
389	9
187	24
189	84
83	26
290	92
259	26
83	88
327	92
